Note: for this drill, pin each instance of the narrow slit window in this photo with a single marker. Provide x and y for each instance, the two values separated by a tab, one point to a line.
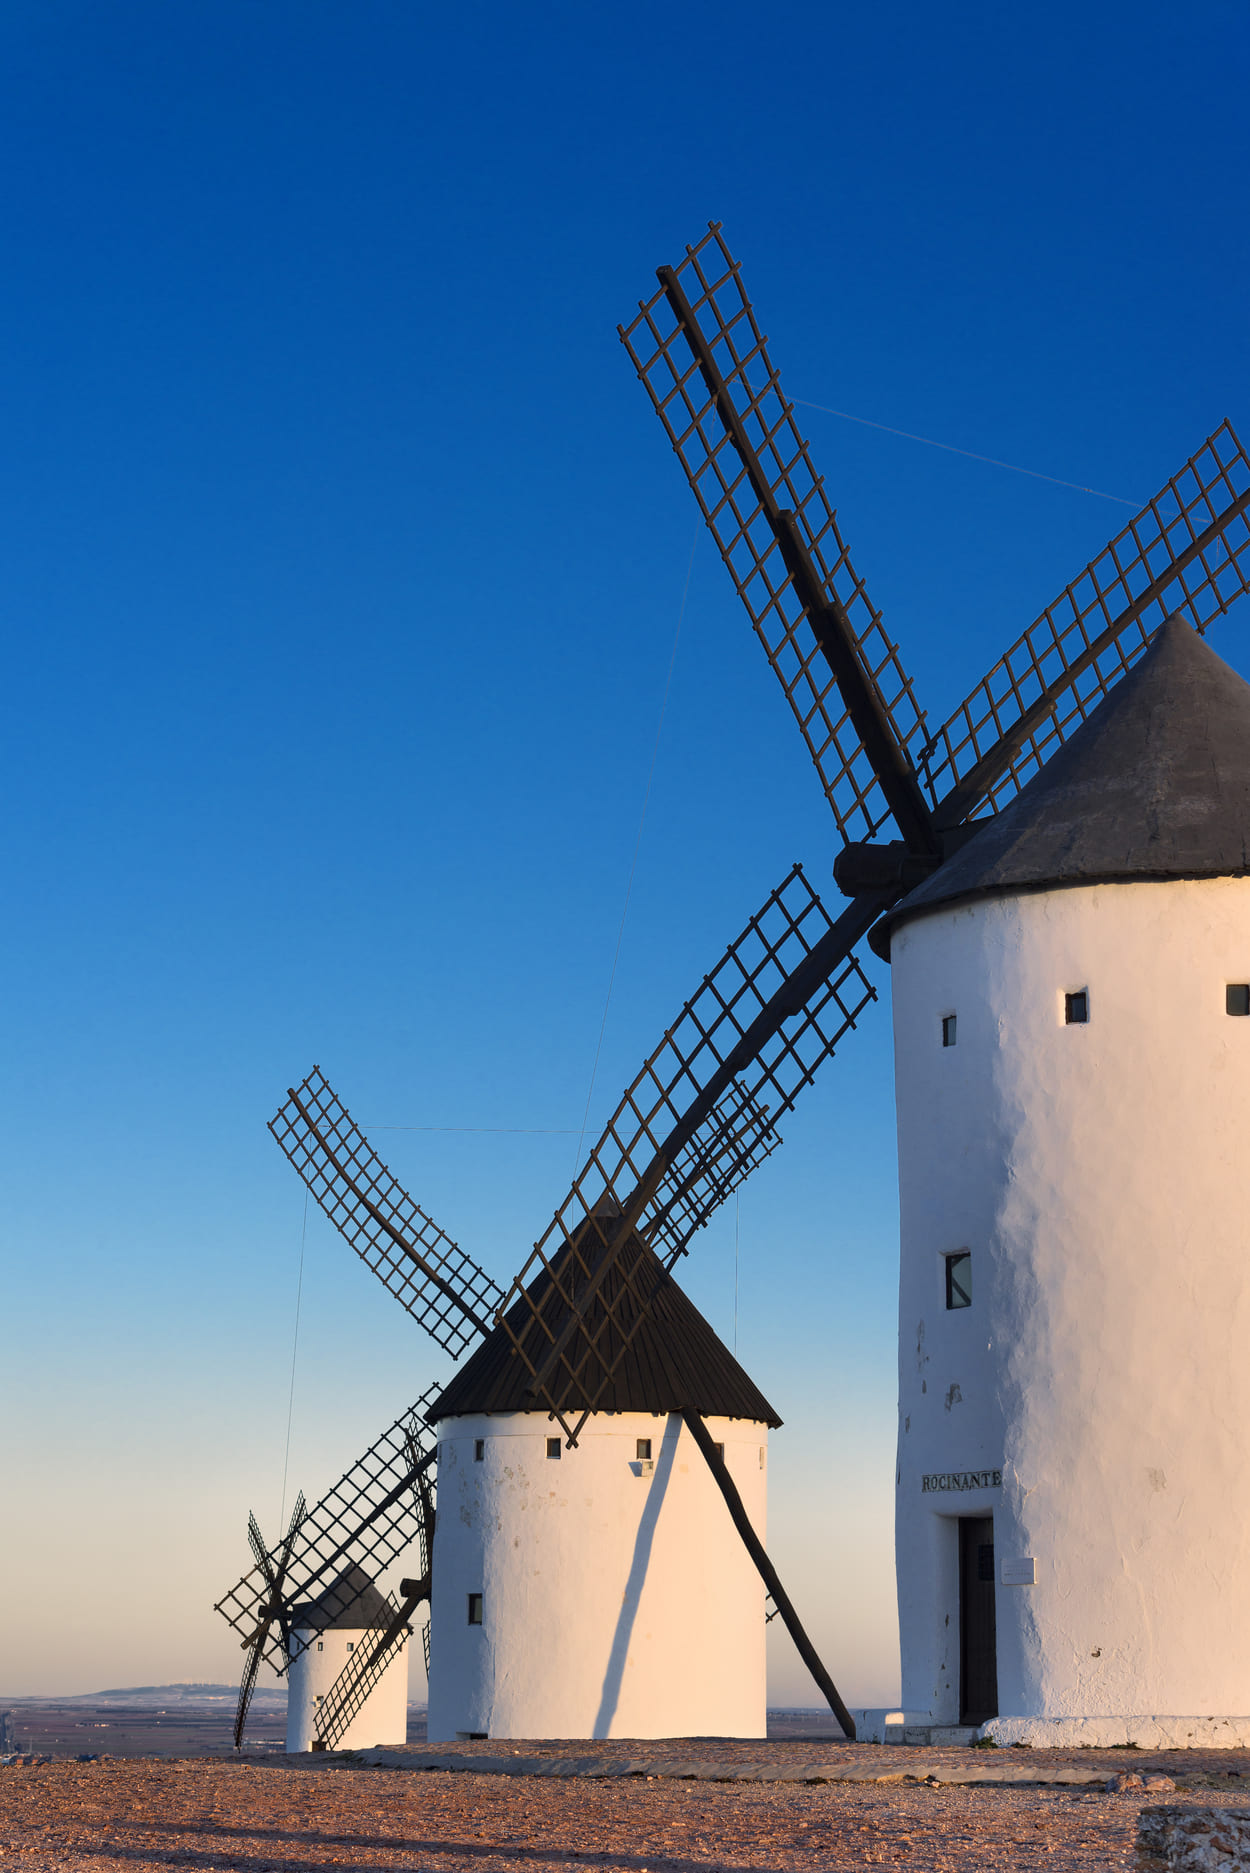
479	1450
475	1609
720	1451
642	1449
351	1645
320	1645
1076	1007
553	1447
959	1279
1237	998
948	1030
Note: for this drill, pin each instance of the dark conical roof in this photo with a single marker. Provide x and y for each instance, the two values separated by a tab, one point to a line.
673	1362
351	1601
1155	784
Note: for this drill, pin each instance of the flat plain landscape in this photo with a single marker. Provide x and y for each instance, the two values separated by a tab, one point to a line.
198	1720
105	1801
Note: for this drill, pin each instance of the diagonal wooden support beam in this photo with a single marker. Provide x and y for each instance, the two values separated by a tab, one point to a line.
768	1573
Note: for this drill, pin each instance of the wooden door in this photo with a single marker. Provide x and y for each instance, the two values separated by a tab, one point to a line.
978	1662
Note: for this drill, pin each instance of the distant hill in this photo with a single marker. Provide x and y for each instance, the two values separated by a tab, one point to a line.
177	1694
161	1694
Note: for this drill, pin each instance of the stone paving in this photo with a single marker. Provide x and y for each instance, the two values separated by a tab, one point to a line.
708	1807
807	1760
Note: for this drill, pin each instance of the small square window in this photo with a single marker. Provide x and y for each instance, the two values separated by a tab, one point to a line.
720	1451
320	1646
1237	998
553	1447
642	1449
1076	1007
475	1609
351	1645
948	1030
959	1279
479	1450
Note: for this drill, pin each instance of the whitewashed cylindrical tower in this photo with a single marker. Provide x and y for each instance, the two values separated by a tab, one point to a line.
1072	1055
600	1591
327	1633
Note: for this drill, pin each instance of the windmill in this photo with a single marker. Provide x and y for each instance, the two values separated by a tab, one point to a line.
704	1110
271	1607
288	1600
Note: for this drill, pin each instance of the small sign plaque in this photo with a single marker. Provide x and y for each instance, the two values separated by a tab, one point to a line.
1021	1573
961	1479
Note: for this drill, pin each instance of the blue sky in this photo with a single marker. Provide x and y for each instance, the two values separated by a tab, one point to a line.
344	563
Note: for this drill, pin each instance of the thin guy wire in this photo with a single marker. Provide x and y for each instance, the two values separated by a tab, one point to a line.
642	820
736	1213
529	1131
290	1403
972	455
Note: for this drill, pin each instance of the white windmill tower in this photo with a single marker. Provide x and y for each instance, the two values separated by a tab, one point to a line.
703	1111
1073	1518
599	1590
326	1634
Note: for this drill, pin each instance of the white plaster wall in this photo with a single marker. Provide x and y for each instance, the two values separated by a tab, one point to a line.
1098	1175
617	1601
383	1718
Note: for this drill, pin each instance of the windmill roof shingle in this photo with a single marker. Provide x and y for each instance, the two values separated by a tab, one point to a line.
673	1362
1154	785
351	1601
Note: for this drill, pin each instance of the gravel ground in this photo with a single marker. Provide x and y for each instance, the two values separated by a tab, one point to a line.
132	1816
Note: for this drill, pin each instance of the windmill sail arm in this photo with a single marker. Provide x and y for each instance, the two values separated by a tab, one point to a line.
1188	551
246	1688
255	1542
356	1532
699	1116
371	1515
793	997
826	615
442	1288
700	354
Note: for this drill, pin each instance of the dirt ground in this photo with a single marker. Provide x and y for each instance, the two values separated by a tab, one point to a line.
132	1816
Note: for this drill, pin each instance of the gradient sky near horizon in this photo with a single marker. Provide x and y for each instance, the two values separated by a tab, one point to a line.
344	567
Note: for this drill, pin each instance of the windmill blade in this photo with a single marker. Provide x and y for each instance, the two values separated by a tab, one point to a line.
246	1688
275	1575
372	1514
364	1669
1188	551
425	1533
699	351
741	1051
256	1542
443	1288
738	1127
768	1573
273	1610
